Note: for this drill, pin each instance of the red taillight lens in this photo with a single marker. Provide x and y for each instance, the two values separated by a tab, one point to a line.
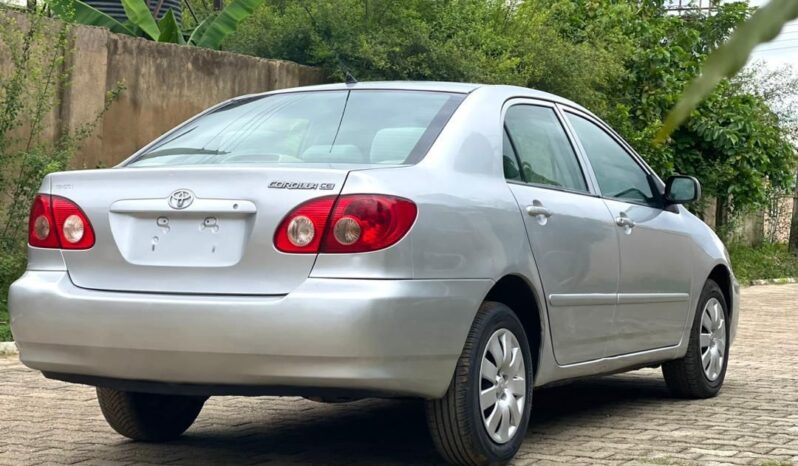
74	229
301	230
41	225
57	222
358	223
366	222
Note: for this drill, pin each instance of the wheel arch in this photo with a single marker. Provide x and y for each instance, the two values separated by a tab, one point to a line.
516	293
721	275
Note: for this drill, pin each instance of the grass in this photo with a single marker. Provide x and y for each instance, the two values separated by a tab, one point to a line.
5	330
668	461
770	260
11	267
665	461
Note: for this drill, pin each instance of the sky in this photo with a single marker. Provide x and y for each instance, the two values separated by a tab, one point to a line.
783	50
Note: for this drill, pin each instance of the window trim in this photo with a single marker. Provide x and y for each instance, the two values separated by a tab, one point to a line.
657	182
506	134
586	177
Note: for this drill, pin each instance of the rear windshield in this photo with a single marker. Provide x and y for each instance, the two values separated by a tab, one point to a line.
352	127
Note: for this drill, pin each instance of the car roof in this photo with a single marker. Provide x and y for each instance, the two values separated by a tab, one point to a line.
439	86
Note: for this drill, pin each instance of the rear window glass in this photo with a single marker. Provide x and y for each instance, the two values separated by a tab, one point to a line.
352	127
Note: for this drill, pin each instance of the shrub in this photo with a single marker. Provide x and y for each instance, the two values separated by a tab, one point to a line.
769	260
37	51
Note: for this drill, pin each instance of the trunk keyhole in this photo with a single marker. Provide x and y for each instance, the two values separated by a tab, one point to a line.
210	223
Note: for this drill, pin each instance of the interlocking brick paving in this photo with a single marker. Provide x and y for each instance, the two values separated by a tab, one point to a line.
620	419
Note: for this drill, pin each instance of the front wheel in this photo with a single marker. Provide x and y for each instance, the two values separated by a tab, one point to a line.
483	417
700	373
148	417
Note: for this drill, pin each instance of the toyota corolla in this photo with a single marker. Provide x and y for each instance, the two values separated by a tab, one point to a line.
456	243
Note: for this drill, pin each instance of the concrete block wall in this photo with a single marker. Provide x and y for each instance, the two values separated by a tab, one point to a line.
166	84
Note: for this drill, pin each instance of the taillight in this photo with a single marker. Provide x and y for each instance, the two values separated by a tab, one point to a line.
363	222
302	229
41	225
358	223
56	222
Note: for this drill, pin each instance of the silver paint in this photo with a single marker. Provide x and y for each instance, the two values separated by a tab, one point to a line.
609	297
503	370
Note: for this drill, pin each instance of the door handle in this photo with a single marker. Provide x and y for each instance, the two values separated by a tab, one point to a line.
624	221
535	210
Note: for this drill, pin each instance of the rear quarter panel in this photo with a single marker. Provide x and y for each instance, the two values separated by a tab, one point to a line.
469	225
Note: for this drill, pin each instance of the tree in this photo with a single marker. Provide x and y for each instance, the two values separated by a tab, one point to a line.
733	142
779	88
730	57
490	41
627	61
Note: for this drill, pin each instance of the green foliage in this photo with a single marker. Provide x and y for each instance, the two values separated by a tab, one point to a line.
226	22
169	30
5	326
138	13
200	29
728	59
627	61
491	41
734	143
81	13
770	260
209	33
38	52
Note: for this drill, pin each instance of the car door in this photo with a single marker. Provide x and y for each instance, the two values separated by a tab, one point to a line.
653	293
570	231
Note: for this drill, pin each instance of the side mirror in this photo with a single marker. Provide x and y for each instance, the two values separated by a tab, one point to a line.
680	189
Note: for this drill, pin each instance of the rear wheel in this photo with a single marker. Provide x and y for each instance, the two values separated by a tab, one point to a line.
483	417
148	417
700	373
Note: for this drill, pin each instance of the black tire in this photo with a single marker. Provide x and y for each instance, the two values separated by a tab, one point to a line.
148	417
455	421
685	377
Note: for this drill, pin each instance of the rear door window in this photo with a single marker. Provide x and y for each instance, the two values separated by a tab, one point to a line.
545	155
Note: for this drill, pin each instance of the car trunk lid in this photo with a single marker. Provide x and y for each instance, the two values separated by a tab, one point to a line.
191	229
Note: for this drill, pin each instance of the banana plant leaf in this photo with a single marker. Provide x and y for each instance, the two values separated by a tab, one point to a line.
198	31
81	13
763	26
170	30
134	29
226	23
139	14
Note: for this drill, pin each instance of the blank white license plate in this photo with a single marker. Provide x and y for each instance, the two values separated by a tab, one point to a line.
181	239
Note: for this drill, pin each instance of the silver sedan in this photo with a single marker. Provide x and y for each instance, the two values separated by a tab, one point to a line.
458	243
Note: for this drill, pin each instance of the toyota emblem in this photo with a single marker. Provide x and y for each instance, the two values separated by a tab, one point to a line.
181	199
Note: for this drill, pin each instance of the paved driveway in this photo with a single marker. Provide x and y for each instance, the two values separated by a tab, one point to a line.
610	420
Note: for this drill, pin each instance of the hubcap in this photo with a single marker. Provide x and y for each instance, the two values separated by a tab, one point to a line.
713	339
502	386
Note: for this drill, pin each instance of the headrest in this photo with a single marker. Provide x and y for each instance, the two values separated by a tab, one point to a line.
393	145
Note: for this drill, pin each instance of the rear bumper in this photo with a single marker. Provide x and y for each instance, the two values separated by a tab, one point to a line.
383	337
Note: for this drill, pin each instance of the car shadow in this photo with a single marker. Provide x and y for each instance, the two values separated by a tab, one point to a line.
382	432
